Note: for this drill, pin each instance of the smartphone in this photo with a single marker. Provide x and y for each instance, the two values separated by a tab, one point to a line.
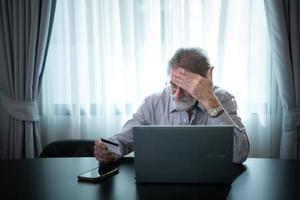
97	174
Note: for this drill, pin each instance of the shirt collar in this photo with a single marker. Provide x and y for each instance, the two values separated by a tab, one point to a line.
171	106
200	106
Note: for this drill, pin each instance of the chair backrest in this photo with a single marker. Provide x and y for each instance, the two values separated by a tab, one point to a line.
69	148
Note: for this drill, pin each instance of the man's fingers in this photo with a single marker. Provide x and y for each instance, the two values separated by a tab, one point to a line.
210	74
104	157
187	73
101	151
180	82
186	82
100	144
97	142
103	146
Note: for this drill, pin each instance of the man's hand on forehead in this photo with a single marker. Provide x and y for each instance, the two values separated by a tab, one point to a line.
188	74
197	86
186	79
184	74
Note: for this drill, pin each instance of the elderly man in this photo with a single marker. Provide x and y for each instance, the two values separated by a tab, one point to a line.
190	99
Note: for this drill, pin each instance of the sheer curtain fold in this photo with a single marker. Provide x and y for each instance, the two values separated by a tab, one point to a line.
122	49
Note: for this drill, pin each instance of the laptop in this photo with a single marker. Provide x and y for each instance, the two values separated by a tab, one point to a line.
183	154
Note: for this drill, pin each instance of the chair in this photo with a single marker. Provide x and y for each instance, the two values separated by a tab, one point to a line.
69	148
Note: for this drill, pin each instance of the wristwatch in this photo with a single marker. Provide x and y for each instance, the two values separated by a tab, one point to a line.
215	112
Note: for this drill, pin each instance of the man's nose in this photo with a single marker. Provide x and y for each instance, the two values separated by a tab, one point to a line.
178	93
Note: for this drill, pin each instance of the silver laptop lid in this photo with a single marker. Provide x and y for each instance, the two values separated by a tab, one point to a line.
183	154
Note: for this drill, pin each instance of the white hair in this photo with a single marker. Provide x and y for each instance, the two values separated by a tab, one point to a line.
192	59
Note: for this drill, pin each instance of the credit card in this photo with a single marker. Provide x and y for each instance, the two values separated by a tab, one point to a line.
112	146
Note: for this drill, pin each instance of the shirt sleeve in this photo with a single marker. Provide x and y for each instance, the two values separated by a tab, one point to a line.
124	137
241	145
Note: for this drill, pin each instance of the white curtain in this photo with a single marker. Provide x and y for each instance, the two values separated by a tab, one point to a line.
105	57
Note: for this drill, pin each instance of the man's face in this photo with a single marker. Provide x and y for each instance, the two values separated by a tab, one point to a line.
181	100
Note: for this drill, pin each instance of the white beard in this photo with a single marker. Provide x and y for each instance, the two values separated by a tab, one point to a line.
184	104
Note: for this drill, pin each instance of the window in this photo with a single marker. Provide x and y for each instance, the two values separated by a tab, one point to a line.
105	57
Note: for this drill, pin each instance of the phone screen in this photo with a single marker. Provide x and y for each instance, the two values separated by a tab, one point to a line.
97	174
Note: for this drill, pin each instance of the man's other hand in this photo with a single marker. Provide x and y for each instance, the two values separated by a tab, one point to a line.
102	154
